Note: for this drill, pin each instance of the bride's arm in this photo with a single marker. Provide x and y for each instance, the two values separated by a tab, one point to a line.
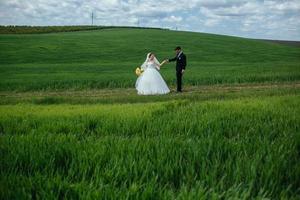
163	62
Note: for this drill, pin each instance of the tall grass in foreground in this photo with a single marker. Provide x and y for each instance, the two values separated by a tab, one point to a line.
243	148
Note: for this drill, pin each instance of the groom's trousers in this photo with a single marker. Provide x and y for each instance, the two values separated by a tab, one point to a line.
179	81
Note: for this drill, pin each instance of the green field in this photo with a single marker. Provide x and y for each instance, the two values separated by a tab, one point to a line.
108	58
73	127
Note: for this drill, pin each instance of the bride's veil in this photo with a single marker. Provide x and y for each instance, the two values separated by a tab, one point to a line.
144	65
157	62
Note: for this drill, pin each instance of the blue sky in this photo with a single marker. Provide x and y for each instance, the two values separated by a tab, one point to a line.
270	19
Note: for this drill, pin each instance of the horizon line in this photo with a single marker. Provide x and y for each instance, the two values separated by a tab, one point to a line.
145	27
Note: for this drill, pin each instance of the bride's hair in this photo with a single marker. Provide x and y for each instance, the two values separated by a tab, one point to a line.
144	65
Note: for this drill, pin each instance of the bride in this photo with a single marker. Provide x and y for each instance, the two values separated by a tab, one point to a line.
150	81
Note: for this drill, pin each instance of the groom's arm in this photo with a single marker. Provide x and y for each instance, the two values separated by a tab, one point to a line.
184	61
172	59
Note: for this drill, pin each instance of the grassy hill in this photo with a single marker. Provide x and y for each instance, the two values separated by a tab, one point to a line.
57	29
107	58
73	127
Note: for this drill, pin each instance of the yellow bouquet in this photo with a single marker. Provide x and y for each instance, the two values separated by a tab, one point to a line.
138	71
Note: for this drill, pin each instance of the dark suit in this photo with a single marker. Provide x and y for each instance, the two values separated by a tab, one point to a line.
180	65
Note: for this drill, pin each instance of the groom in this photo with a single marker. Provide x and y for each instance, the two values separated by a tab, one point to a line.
180	59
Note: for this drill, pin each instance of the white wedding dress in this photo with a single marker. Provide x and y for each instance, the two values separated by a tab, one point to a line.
150	82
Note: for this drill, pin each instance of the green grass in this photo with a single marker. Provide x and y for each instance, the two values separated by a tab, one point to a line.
125	96
107	59
73	127
55	29
44	29
243	148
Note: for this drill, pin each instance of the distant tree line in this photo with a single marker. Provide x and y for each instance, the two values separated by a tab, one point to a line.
54	29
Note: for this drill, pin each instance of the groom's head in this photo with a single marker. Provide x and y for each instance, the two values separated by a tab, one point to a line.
177	49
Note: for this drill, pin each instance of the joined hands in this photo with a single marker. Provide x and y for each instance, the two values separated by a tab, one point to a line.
164	62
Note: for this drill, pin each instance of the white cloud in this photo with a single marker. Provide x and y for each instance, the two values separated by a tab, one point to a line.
277	19
173	19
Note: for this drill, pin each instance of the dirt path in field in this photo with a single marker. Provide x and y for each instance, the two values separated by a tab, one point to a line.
244	87
132	91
